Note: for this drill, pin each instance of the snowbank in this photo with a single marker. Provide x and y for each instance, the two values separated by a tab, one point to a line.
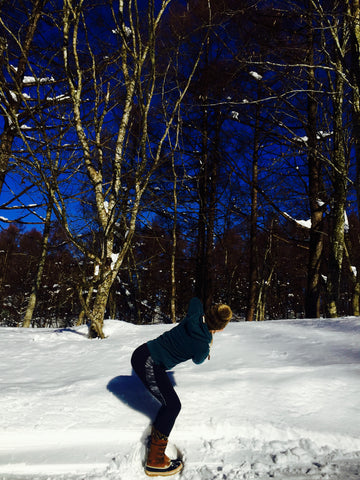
277	399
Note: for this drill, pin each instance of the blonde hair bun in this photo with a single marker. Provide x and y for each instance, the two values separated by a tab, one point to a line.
218	316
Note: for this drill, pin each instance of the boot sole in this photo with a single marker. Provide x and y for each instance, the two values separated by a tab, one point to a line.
174	467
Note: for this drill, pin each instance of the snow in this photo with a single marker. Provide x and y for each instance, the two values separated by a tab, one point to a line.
307	223
256	75
302	223
346	222
114	258
320	135
278	399
32	79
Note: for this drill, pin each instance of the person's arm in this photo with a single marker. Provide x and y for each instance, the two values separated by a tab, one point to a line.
200	357
204	353
210	345
195	307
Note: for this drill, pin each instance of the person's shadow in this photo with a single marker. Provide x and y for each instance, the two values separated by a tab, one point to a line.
130	390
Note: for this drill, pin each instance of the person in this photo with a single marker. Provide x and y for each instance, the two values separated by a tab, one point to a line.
190	339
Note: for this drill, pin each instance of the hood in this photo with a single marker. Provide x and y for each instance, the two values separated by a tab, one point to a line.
196	327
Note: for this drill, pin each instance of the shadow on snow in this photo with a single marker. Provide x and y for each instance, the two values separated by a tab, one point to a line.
130	390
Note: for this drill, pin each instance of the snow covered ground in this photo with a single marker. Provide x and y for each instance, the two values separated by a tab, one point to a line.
278	399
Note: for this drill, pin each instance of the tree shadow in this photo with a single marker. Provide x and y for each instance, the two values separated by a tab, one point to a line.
71	330
130	390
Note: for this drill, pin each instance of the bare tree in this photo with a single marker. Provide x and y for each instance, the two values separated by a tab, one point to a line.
136	89
353	15
12	76
315	166
334	38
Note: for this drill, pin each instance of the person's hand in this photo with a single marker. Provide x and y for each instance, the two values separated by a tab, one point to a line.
210	345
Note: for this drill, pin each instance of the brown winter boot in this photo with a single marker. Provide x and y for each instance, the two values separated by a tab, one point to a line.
158	464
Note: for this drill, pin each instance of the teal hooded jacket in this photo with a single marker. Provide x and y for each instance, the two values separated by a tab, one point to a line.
190	339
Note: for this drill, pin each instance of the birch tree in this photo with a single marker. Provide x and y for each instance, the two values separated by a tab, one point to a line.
335	45
117	180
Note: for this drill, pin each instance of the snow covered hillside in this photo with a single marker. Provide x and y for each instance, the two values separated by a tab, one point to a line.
277	400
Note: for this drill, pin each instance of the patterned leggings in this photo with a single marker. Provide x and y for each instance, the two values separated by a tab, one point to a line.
156	380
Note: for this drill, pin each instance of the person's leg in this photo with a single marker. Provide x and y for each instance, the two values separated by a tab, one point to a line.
138	361
157	462
158	383
171	405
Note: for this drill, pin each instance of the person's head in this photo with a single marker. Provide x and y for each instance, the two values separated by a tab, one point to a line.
218	316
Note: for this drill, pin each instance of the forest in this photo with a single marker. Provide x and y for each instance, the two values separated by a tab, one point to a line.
155	150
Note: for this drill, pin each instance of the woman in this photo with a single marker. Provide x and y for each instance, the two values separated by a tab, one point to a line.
190	339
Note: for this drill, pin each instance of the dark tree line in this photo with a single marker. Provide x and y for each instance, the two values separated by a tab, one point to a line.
171	146
142	289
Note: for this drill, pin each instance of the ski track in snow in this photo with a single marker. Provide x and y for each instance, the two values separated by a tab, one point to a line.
277	400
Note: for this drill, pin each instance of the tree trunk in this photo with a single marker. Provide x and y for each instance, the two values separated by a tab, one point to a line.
211	212
84	304
201	274
173	249
36	286
6	141
312	299
112	304
339	181
268	270
253	261
97	312
353	10
354	275
262	296
356	298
